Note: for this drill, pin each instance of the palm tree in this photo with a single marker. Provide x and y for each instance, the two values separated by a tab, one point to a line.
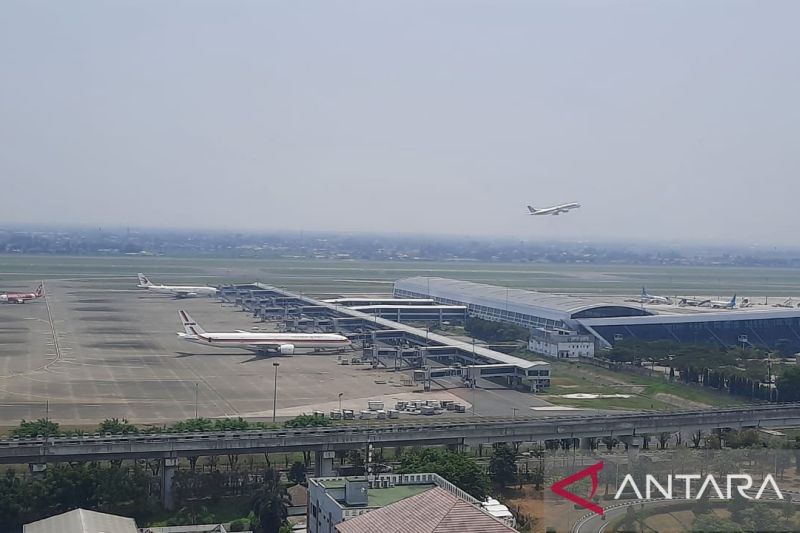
270	503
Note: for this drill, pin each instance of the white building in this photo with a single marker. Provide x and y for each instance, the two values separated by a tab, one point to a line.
561	344
334	500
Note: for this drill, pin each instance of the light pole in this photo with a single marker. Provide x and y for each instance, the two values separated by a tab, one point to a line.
196	391
275	394
340	404
473	395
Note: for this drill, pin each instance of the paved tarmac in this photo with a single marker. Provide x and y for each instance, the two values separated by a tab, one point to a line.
96	349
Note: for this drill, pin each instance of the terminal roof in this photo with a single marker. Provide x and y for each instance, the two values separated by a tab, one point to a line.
541	304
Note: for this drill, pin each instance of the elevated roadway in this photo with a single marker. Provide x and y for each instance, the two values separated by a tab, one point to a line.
429	432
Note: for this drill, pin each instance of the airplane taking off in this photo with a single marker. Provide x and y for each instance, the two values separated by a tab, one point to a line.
554	210
281	343
722	304
22	297
178	291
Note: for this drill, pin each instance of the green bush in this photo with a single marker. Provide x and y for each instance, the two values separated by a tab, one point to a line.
239	525
307	421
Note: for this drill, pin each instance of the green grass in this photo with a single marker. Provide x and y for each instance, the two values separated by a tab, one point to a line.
638	403
322	276
383	497
572	378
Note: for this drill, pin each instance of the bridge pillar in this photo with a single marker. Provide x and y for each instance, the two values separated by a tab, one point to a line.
170	464
323	463
634	444
587	443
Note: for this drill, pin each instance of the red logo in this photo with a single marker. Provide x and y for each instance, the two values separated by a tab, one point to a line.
559	487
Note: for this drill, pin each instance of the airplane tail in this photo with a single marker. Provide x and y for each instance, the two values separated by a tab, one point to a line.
732	303
189	325
39	292
532	209
144	281
644	292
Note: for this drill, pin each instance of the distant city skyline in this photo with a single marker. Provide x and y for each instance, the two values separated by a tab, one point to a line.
373	246
670	122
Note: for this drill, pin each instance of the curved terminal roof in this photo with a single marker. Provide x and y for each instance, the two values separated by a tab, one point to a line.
540	304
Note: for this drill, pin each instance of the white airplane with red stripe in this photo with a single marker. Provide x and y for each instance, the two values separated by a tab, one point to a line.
281	343
22	297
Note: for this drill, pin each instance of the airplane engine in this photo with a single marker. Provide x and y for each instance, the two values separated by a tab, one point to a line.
286	349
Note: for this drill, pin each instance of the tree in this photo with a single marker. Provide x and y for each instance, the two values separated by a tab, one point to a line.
711	523
270	504
629	523
457	468
115	426
297	474
787	512
759	517
495	331
788	385
305	421
502	466
35	428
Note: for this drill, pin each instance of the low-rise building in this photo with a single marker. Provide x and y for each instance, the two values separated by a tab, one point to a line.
82	521
433	511
336	500
561	343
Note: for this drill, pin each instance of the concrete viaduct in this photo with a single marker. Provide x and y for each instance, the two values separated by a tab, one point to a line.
324	441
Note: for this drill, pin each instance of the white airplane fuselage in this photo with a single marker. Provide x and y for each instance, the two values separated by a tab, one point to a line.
266	341
554	210
182	291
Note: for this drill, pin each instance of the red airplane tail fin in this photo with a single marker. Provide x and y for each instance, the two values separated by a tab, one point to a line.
39	290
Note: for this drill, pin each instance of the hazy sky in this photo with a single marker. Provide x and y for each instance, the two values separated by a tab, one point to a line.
667	120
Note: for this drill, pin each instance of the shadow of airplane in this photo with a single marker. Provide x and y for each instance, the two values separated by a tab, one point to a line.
253	357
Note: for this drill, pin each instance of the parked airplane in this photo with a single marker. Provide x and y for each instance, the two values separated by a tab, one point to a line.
652	299
22	297
281	343
722	304
179	291
555	210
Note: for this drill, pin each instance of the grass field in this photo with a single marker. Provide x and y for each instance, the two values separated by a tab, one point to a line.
326	276
646	393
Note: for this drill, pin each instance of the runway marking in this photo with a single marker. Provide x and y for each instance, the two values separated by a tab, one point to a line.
73	362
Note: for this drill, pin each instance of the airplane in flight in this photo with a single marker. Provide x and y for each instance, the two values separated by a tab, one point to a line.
179	291
22	297
261	343
554	210
722	304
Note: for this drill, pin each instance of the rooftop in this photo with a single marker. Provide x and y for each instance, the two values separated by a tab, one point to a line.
433	511
377	496
544	305
388	496
82	521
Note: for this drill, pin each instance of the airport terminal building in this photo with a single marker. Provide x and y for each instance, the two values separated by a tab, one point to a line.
608	322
